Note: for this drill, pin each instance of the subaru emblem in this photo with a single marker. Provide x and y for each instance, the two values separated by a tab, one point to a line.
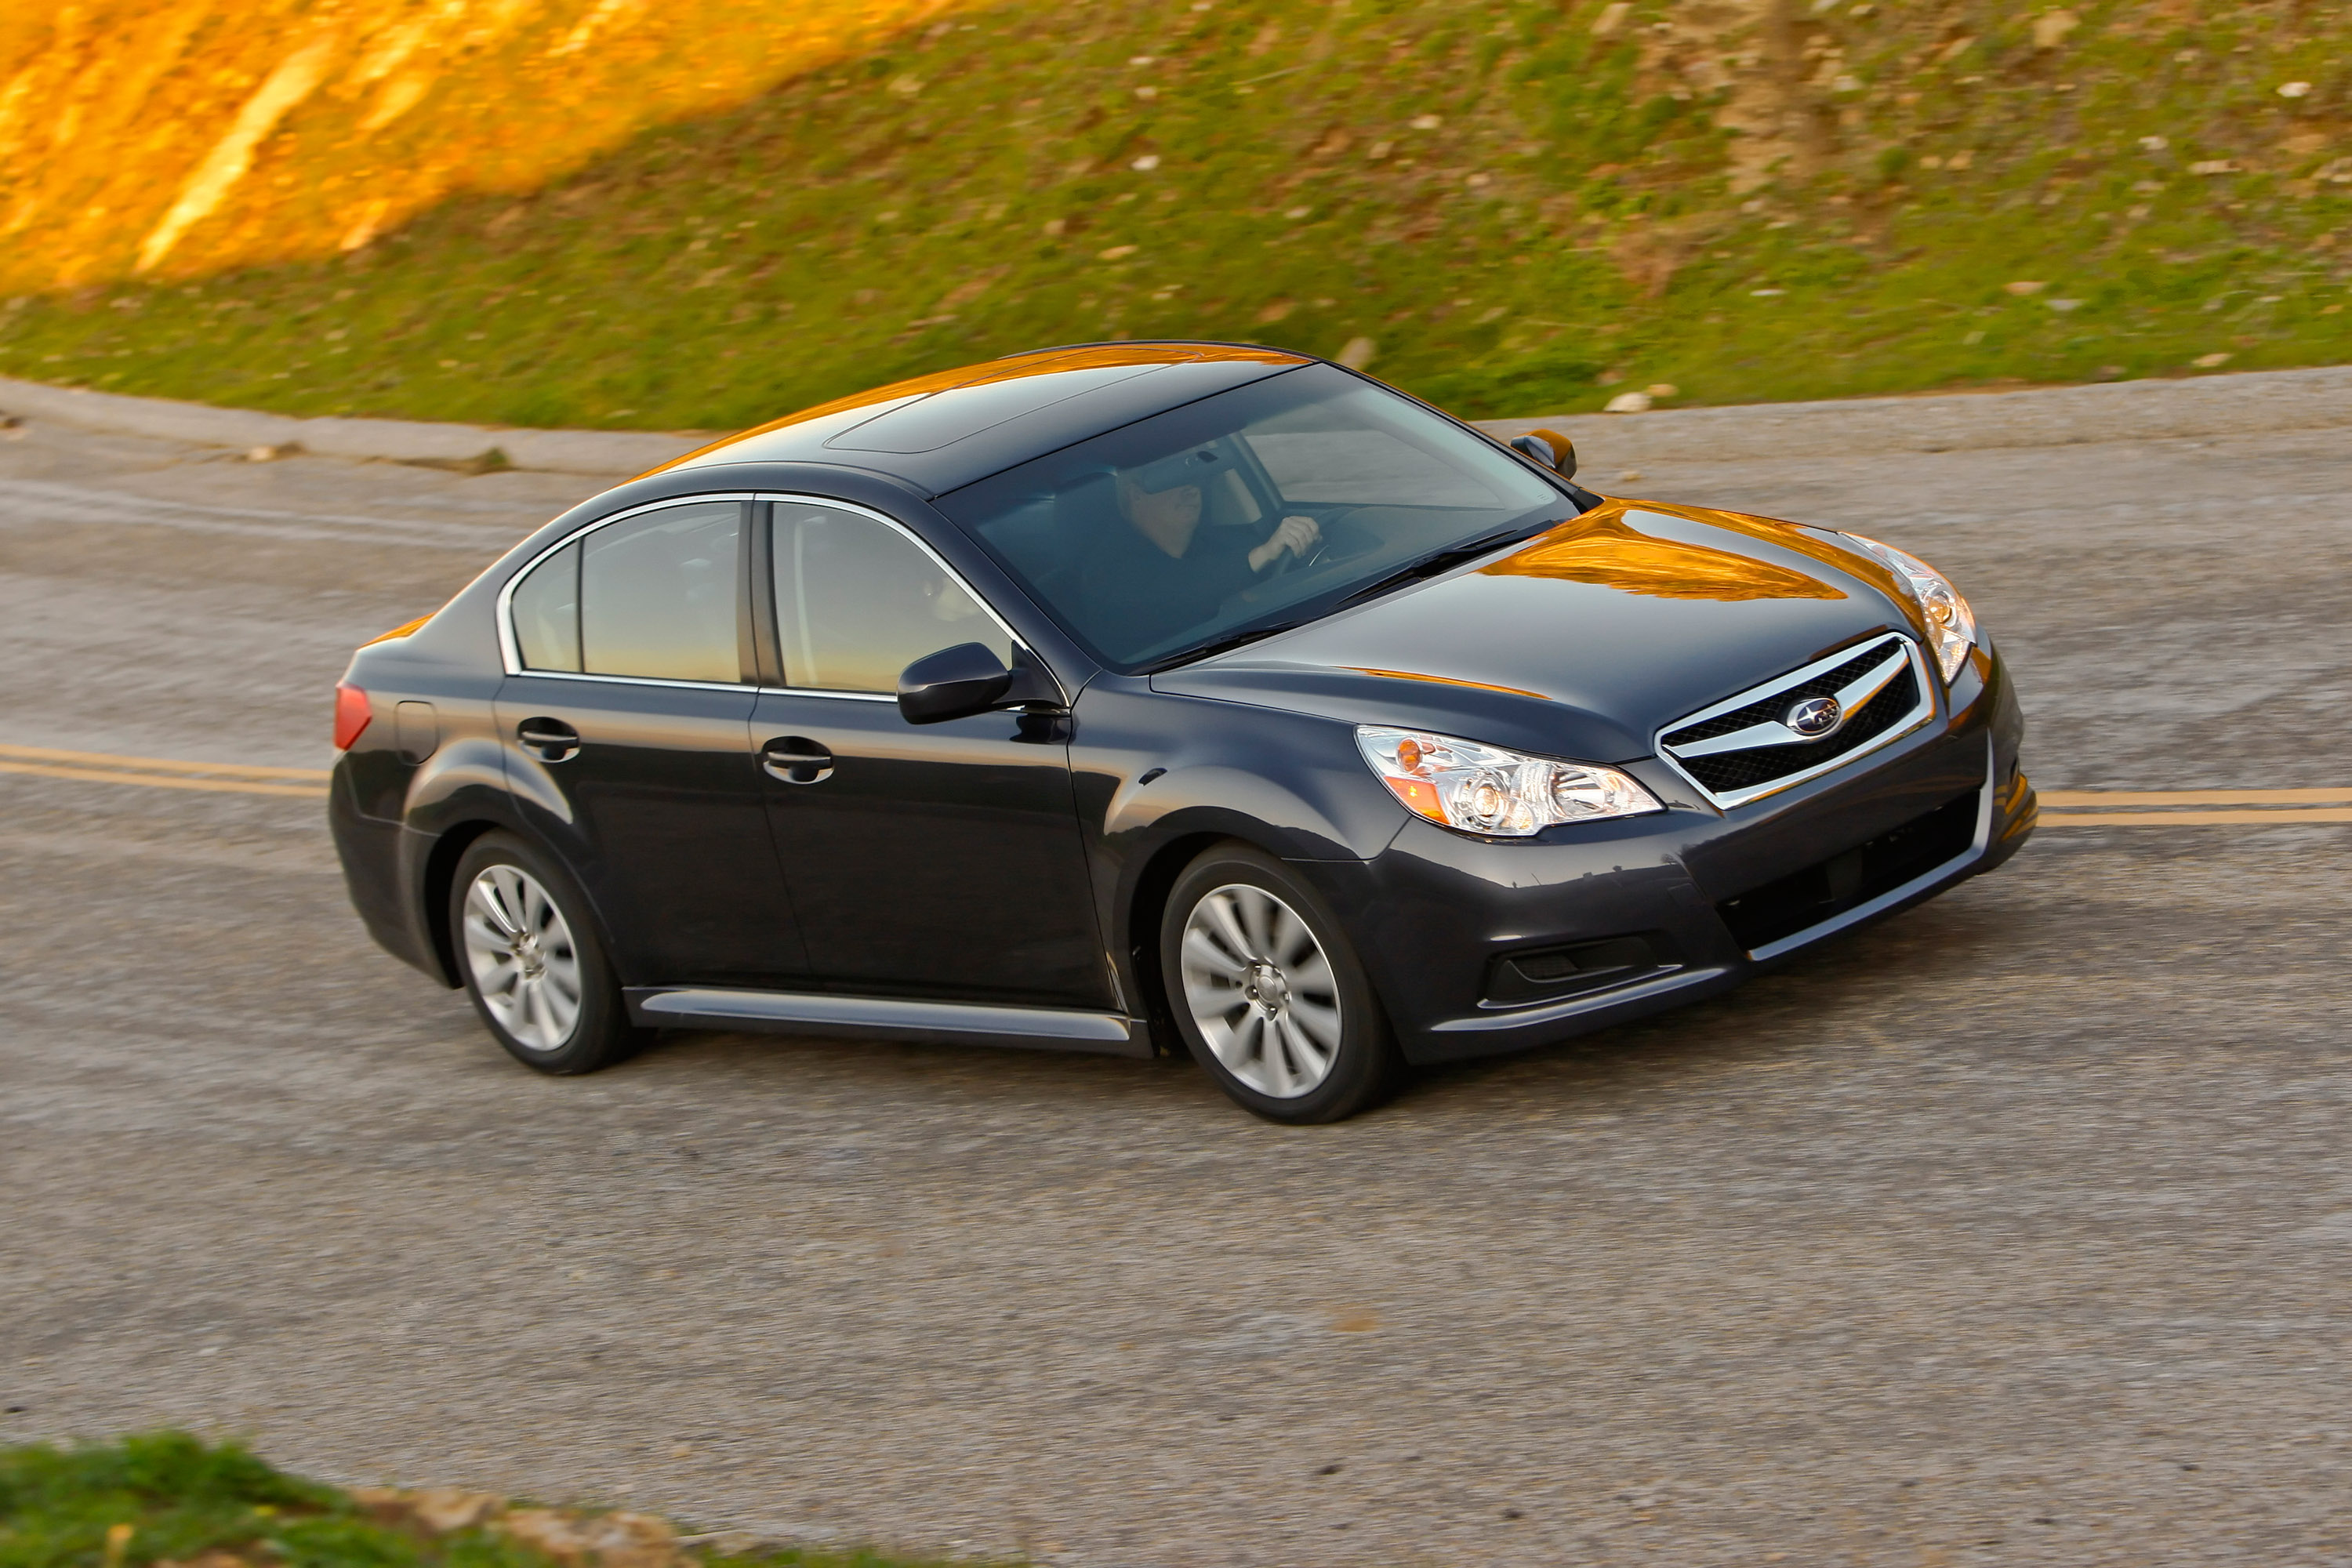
1814	717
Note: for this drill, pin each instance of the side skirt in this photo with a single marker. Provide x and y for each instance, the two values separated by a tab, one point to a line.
887	1017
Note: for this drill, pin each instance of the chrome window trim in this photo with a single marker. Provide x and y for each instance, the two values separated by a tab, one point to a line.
510	649
743	686
828	694
1925	711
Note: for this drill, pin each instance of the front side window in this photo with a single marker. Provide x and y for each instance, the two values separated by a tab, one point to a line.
1252	508
857	602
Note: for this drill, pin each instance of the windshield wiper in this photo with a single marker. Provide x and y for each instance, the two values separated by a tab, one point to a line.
1225	643
1438	561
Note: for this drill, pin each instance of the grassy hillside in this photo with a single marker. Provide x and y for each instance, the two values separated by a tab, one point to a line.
1523	206
172	138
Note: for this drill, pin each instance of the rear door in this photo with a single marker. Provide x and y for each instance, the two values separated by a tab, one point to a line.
936	859
624	723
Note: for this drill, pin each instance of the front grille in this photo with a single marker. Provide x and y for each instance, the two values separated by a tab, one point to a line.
1728	773
1772	707
1825	891
1733	777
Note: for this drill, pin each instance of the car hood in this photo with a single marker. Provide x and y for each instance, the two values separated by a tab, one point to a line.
1582	642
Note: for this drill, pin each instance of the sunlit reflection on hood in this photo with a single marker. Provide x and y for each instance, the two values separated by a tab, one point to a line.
1602	548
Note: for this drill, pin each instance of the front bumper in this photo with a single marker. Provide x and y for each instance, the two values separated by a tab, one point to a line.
1479	947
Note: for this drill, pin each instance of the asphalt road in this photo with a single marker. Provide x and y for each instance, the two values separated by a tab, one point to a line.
2016	1229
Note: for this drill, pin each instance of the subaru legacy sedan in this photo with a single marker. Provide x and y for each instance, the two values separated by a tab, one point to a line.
1140	698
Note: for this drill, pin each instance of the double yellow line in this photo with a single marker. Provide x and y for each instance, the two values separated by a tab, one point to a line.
2192	808
163	773
2059	807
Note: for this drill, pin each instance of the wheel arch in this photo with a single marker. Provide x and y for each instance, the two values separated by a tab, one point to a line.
1147	904
440	872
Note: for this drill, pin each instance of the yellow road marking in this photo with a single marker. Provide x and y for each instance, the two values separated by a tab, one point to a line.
2189	818
160	765
2060	808
165	781
2066	799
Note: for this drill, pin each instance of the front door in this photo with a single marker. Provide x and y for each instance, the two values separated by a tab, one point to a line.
627	745
937	860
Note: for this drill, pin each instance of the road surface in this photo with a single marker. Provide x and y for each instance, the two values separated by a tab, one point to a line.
2016	1229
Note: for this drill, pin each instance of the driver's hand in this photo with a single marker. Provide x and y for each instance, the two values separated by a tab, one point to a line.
1297	534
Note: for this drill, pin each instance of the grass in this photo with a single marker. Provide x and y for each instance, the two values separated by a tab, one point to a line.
1527	207
167	1496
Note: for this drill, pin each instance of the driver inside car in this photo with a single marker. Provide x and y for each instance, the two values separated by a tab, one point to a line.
1163	572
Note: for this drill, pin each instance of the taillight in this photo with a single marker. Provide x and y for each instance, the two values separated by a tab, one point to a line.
352	715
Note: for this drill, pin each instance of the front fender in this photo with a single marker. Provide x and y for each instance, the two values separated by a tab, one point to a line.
1156	776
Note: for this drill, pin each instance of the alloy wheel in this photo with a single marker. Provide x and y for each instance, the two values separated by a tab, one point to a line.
1261	991
525	964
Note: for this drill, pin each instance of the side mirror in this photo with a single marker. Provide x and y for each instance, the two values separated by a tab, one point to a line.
953	683
1549	448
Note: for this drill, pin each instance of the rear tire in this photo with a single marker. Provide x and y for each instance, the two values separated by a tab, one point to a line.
531	963
1268	993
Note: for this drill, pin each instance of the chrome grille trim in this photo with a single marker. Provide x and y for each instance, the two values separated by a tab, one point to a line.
1852	695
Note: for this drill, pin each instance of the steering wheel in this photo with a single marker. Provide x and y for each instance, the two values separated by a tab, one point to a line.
1290	561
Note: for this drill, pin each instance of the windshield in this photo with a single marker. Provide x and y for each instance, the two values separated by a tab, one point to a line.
1252	510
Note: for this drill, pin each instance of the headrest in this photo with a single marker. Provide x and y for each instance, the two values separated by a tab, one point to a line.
1193	466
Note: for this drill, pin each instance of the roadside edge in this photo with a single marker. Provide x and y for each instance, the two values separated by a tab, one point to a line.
2250	403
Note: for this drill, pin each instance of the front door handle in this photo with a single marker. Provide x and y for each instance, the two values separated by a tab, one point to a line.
796	759
551	739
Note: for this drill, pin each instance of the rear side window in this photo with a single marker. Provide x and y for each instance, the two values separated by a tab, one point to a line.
655	597
547	612
659	594
857	602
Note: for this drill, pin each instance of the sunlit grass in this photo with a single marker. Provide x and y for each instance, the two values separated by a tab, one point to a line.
1522	216
169	1497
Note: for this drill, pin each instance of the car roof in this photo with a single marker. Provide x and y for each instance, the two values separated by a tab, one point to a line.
943	431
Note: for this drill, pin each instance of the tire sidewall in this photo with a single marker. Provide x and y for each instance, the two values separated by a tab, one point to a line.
1368	1066
602	1035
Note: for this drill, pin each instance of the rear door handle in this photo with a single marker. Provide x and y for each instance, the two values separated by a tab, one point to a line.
554	740
796	759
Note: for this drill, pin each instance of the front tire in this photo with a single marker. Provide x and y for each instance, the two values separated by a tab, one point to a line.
531	963
1268	993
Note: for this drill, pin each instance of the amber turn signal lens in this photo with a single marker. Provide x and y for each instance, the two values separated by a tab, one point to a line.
1419	795
352	715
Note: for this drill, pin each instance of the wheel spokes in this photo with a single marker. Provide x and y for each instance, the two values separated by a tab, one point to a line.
1202	950
1313	1056
1318	1023
1261	990
1290	942
1256	915
524	963
1225	926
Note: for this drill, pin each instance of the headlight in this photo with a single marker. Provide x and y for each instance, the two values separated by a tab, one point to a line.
1949	619
1485	789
